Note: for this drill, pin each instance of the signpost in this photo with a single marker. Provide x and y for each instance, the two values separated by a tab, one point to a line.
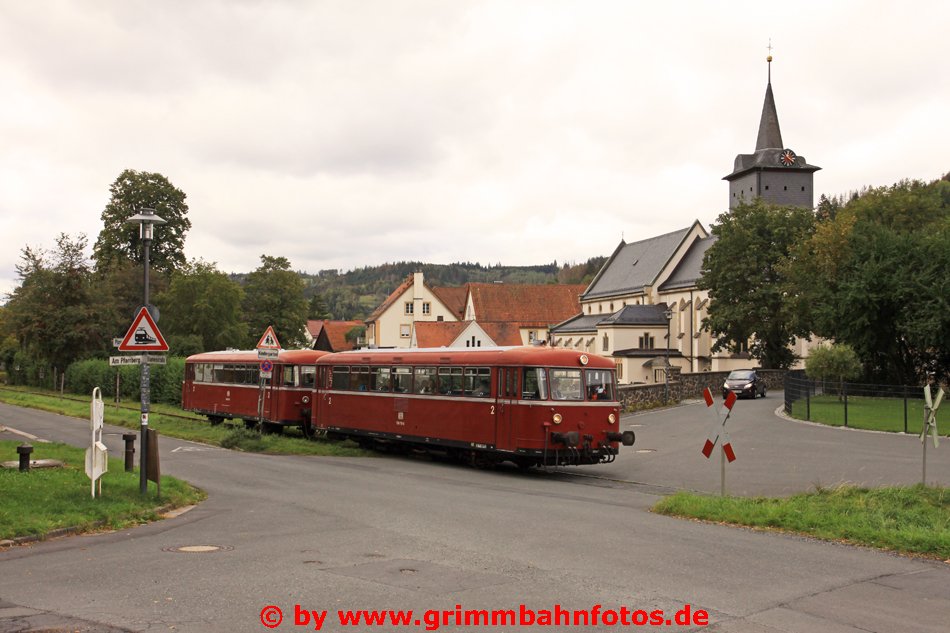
930	423
268	349
718	433
143	336
97	455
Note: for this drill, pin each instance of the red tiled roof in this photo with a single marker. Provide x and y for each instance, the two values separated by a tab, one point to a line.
391	299
453	297
528	305
438	333
502	333
335	334
314	327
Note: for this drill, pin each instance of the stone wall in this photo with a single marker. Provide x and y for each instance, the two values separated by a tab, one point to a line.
688	386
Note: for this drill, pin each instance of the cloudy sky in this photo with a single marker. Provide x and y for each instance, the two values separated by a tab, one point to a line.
353	133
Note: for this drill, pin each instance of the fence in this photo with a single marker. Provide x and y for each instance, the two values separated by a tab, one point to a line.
883	407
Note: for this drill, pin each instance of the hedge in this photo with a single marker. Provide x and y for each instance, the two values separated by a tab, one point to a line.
83	376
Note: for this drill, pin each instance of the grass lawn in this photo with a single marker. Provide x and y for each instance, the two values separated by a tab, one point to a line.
46	499
877	414
195	428
910	520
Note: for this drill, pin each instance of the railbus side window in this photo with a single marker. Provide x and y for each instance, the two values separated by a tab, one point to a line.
402	379
600	384
478	382
534	384
450	381
566	384
308	375
425	382
380	379
341	377
359	378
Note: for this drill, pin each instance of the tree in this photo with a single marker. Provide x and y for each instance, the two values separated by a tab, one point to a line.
742	271
875	278
55	312
317	309
119	240
355	334
835	362
273	295
202	308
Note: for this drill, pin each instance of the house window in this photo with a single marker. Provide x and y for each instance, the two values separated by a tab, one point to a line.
532	336
741	347
619	371
405	331
426	307
606	342
647	341
409	307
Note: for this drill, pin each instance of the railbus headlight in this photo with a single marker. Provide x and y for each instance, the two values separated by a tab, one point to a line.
557	419
305	399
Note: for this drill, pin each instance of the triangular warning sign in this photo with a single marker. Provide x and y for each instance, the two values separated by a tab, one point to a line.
143	336
269	340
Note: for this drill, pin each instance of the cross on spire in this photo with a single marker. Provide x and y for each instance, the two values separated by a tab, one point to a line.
769	59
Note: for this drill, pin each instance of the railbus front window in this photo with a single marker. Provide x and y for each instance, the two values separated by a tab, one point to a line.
600	384
566	384
307	376
289	378
534	384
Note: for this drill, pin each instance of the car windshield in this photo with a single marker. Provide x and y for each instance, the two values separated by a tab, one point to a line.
741	374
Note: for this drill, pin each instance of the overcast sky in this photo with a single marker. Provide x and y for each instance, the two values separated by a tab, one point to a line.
354	133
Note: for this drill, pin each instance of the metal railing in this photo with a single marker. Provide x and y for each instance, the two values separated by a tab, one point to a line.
838	400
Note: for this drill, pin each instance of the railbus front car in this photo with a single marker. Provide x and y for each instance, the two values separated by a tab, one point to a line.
527	405
228	385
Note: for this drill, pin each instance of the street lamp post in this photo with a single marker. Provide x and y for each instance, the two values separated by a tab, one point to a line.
668	313
146	219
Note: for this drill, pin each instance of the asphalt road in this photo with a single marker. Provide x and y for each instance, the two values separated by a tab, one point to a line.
399	533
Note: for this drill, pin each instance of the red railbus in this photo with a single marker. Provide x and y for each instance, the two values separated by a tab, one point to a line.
528	405
227	385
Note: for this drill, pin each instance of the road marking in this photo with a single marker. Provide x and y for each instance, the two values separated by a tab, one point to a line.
28	436
192	449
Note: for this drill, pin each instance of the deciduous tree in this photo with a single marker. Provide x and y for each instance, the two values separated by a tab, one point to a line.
202	308
119	240
273	295
742	272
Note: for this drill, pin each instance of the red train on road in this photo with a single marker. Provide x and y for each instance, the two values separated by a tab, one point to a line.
528	405
227	385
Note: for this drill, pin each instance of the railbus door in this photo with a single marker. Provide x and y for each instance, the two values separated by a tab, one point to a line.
507	388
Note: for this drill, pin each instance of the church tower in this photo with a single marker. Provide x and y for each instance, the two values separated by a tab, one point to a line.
774	172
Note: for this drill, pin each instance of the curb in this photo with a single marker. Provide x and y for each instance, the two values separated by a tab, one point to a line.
67	531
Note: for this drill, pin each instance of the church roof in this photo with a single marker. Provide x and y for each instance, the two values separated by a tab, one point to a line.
633	266
770	152
770	135
690	268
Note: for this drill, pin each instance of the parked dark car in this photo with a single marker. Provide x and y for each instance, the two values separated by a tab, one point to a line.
745	383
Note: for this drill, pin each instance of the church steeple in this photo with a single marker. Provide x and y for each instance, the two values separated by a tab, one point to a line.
770	134
773	173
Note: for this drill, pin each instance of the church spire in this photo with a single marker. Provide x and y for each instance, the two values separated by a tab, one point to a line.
770	135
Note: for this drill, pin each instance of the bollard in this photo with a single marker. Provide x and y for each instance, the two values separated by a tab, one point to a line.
129	451
24	451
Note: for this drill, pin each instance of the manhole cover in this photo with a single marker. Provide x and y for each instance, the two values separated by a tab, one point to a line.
198	549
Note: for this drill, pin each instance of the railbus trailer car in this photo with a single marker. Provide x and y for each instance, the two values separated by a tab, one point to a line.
229	385
531	406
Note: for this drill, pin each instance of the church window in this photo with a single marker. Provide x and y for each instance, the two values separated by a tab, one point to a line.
606	343
647	341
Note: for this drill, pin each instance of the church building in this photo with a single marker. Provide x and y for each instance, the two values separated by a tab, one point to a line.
644	308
